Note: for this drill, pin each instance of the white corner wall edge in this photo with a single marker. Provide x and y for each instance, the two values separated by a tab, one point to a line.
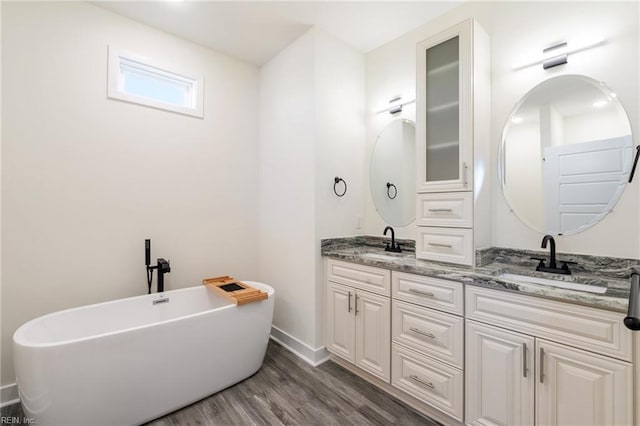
313	357
9	395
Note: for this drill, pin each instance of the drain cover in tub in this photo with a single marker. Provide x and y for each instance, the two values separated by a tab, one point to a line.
231	287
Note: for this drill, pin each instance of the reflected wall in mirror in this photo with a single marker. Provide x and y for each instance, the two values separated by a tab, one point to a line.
391	174
566	154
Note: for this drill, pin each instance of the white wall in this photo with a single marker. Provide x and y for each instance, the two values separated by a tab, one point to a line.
594	126
339	71
524	172
390	72
286	186
311	130
86	179
518	28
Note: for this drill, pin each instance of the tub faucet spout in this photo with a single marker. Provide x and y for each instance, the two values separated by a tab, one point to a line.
163	267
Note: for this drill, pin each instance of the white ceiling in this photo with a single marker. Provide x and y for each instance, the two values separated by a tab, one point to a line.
257	31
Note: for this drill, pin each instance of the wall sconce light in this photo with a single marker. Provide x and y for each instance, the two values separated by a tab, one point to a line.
394	109
557	54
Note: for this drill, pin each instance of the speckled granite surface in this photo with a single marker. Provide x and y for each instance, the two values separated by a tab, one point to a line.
597	271
606	267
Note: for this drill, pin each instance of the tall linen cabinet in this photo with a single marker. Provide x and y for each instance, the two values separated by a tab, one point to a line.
452	132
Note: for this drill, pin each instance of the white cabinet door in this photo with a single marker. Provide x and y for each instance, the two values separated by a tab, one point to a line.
576	387
373	334
340	321
499	376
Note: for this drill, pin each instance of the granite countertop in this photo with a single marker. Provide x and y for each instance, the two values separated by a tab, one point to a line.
614	275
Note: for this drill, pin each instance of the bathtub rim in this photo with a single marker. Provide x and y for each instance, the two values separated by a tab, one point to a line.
19	340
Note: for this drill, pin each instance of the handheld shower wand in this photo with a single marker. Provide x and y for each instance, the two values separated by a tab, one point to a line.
147	262
147	252
163	267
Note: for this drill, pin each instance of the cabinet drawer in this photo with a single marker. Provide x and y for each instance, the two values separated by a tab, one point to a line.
427	291
428	380
446	209
588	328
451	245
364	277
433	333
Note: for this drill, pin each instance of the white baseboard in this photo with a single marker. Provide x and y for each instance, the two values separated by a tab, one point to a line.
311	356
9	395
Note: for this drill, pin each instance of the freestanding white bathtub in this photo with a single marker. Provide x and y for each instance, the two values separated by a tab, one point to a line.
132	360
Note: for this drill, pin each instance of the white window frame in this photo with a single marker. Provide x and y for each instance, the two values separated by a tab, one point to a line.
119	58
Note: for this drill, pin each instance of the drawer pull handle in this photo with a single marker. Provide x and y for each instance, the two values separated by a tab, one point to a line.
465	173
356	305
424	333
421	293
422	382
349	310
524	360
440	210
541	365
440	245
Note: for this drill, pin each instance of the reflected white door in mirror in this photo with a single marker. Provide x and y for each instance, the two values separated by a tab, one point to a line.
566	155
391	174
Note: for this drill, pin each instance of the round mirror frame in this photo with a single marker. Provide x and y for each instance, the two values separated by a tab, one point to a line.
501	153
390	189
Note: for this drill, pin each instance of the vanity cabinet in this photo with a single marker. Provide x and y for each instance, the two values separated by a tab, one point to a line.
358	322
452	133
468	354
521	377
427	350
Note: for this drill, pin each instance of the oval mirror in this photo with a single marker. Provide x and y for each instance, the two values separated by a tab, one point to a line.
391	174
566	154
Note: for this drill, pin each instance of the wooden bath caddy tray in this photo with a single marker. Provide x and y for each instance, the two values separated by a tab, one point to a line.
237	291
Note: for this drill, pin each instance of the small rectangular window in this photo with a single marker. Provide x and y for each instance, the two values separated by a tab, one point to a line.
138	80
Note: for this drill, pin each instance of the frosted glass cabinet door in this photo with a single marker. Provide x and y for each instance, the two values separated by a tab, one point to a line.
444	110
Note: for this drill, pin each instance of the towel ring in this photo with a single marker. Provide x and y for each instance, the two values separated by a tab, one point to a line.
336	181
395	190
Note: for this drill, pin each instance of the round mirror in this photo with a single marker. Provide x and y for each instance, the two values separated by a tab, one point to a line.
566	154
391	174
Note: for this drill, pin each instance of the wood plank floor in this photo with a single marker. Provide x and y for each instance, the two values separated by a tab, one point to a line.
287	391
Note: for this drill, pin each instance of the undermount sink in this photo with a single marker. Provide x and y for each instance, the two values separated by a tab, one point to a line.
378	256
553	283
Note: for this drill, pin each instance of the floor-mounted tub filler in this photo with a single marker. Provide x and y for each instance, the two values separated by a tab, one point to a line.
132	360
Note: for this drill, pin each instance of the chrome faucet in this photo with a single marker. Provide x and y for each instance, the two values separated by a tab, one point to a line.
393	247
553	266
